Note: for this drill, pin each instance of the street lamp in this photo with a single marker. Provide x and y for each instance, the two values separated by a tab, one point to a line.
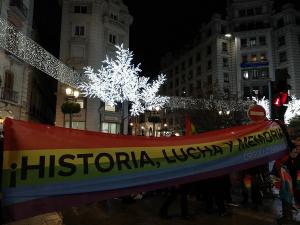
70	106
143	130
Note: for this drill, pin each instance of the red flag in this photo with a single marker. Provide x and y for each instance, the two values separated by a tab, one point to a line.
188	125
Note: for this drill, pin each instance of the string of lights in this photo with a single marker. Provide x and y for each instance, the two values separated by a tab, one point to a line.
207	104
32	53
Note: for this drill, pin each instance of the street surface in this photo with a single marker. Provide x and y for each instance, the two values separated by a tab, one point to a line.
146	212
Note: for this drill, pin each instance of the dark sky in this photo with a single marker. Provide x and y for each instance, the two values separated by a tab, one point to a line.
163	25
158	26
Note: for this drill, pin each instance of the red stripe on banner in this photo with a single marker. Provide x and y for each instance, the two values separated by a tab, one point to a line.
50	137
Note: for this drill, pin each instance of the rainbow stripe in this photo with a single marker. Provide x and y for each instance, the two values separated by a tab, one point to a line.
49	167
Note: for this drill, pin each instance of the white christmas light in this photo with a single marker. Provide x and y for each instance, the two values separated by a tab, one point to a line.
30	52
118	80
293	109
208	104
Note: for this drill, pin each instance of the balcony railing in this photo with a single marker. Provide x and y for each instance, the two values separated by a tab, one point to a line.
20	6
9	95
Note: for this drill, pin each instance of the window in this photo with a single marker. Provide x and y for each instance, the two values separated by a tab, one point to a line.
258	10
176	69
226	93
250	12
208	50
226	77
109	108
183	78
79	30
8	80
247	92
282	57
243	42
76	125
112	39
242	12
244	58
225	62
255	91
280	23
198	70
176	82
262	40
224	47
253	58
80	101
114	15
265	91
209	65
191	89
112	128
209	80
80	9
199	84
255	74
252	41
281	40
198	56
264	73
245	74
191	74
263	57
171	85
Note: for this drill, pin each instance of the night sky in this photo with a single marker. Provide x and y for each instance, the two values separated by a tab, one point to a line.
158	26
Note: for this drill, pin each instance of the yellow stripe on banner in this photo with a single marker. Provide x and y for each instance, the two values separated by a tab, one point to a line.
33	156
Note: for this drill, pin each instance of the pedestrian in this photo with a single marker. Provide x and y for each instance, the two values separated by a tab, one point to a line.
214	190
286	169
252	184
181	191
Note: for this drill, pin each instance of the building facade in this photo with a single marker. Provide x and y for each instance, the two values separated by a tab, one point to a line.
237	55
89	31
15	74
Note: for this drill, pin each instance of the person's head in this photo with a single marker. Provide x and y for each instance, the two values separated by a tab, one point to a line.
293	151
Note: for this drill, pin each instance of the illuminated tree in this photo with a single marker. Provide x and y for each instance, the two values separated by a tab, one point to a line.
118	80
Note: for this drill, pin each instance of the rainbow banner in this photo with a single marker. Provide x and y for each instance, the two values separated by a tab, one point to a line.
46	168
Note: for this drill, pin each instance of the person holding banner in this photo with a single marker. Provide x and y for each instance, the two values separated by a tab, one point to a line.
181	191
286	169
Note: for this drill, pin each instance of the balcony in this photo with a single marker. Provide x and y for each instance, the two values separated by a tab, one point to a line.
18	7
8	95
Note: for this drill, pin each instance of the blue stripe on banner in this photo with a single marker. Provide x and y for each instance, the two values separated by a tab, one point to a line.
16	195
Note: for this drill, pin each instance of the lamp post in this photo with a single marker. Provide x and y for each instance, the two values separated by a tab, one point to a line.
143	130
224	115
70	106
